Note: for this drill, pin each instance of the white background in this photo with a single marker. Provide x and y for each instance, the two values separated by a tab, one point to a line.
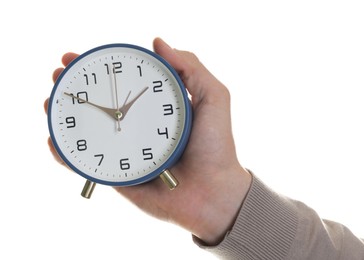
295	70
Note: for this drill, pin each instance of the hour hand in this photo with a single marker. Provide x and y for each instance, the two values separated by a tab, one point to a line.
115	114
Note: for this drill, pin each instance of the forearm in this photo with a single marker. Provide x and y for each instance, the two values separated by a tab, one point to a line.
270	226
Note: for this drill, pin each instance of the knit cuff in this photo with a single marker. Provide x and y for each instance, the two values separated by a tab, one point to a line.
264	229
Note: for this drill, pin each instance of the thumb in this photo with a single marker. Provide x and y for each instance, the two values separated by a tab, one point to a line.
170	55
197	79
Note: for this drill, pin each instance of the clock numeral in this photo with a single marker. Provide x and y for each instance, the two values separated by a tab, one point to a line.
140	70
124	165
81	145
168	109
116	67
157	86
93	76
70	121
101	158
148	155
82	94
164	133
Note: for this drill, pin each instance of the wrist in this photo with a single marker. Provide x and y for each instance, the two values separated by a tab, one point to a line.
222	209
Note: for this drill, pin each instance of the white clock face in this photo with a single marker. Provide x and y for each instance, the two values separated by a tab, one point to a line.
119	115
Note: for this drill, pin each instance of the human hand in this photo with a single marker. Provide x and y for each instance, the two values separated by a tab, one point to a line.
212	182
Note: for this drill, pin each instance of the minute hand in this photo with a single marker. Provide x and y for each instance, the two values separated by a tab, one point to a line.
109	111
125	108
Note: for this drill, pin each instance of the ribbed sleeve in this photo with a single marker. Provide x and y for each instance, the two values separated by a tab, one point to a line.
270	226
264	229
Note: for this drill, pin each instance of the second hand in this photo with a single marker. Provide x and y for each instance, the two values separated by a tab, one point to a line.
117	113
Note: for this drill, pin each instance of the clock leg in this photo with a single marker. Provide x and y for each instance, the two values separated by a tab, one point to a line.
169	179
88	188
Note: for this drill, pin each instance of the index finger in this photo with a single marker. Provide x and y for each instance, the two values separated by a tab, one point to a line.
68	58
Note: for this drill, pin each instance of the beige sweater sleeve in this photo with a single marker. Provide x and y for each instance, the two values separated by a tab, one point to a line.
270	226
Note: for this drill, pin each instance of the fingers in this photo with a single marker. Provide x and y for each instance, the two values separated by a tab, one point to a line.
54	152
46	102
56	74
68	58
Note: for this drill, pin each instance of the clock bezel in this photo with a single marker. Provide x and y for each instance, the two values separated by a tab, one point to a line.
181	145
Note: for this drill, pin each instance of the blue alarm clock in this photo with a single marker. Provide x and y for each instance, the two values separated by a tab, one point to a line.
119	115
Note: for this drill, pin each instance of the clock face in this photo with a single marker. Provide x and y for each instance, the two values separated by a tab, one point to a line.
119	115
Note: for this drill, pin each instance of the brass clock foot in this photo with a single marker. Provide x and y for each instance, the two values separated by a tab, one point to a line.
169	179
88	188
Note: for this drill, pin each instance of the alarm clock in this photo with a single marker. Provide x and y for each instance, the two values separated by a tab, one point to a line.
119	115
